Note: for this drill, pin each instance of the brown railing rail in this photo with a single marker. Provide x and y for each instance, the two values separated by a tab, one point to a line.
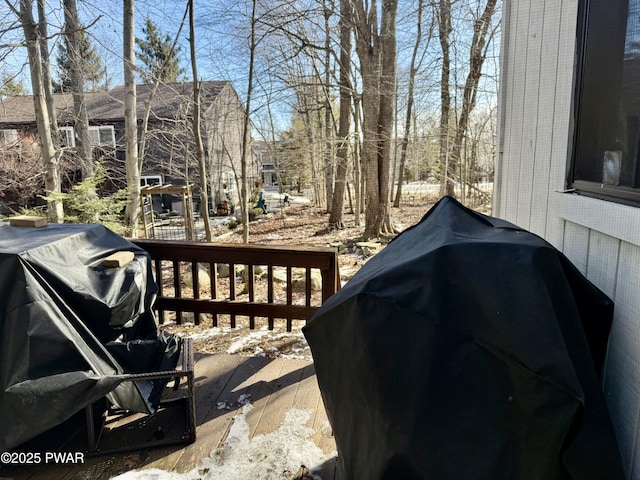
173	260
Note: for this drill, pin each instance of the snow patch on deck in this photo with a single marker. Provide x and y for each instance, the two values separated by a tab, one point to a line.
273	456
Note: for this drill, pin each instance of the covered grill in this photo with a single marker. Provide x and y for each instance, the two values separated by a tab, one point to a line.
467	348
71	328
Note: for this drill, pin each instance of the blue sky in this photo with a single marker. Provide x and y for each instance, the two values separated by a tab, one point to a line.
105	20
222	45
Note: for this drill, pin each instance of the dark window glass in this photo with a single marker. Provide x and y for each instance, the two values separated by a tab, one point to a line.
607	141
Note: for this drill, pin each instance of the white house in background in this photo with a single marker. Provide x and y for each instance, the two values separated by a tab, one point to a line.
568	166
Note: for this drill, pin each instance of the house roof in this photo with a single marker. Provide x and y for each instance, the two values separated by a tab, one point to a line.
168	102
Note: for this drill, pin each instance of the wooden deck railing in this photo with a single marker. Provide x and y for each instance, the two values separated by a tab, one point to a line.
177	261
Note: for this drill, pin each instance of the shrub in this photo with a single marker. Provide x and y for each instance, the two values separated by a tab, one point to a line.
255	213
83	203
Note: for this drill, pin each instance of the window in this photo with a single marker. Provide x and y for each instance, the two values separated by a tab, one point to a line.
67	138
8	137
98	136
103	136
149	180
606	156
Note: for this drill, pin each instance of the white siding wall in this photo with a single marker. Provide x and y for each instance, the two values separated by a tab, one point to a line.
601	238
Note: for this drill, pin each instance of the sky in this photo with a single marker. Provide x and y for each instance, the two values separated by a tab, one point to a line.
105	28
221	43
222	47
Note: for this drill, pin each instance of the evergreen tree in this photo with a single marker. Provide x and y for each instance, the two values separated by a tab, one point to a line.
156	53
94	71
9	87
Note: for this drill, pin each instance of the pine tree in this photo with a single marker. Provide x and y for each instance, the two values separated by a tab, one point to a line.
9	87
156	53
94	71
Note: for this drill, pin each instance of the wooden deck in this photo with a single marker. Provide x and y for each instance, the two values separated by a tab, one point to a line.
275	387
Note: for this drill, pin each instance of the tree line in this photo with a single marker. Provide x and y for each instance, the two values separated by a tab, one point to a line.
375	93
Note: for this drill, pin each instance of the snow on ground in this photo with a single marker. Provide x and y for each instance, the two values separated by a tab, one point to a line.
260	340
273	456
241	340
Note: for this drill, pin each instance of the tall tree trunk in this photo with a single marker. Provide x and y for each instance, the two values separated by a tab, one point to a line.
329	132
81	119
197	132
357	164
132	211
337	205
377	53
320	179
410	98
50	153
444	24
387	111
246	132
46	73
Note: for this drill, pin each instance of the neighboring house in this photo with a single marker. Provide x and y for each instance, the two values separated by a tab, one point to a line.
568	166
170	150
264	154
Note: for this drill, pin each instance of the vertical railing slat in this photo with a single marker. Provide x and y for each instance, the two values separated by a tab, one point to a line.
270	293
177	288
213	275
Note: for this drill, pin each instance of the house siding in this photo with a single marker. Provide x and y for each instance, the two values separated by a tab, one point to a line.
534	147
225	125
169	149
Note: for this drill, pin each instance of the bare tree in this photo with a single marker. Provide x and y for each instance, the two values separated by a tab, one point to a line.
50	153
72	31
377	53
444	31
202	167
358	178
157	80
132	211
46	72
483	32
246	132
21	171
337	206
329	131
413	70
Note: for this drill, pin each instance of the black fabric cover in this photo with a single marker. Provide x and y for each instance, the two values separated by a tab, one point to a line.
467	349
69	327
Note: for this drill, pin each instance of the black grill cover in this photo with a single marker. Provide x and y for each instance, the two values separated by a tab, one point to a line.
69	327
467	349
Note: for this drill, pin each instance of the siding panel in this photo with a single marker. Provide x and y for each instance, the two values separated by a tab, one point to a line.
531	81
576	245
622	381
603	262
546	114
561	140
514	111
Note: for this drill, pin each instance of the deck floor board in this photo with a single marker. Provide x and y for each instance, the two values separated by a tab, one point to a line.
275	387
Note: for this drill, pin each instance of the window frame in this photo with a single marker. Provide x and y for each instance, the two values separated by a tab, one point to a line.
9	132
97	128
151	181
69	133
615	193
